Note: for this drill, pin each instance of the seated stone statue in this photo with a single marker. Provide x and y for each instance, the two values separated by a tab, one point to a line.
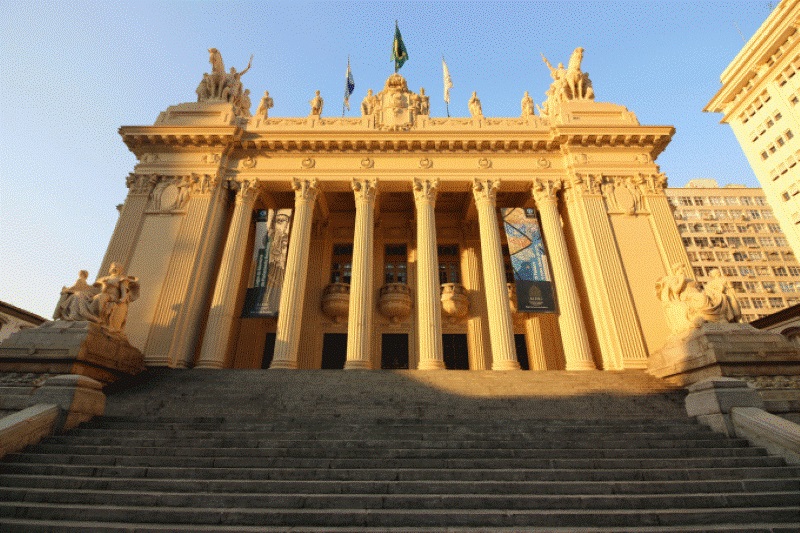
687	306
104	303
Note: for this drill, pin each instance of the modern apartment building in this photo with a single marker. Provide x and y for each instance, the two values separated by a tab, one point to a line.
760	99
733	228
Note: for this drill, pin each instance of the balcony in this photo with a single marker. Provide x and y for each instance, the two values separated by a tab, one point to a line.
336	301
455	302
394	302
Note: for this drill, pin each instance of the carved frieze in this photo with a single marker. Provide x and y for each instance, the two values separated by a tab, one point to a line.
140	184
170	195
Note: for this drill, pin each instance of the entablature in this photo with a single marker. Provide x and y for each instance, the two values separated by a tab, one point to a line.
141	139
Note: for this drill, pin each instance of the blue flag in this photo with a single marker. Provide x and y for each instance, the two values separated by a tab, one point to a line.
349	85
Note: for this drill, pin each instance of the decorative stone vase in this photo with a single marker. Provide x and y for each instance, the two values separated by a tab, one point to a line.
395	302
512	296
455	302
336	301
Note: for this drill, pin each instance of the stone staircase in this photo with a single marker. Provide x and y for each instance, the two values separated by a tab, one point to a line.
396	451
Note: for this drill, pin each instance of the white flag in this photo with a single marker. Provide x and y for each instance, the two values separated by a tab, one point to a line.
448	82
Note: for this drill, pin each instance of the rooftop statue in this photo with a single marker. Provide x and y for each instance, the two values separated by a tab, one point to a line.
368	104
527	105
221	86
569	83
105	302
689	306
475	109
265	105
316	104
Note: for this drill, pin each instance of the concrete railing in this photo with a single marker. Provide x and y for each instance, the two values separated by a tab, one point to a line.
61	403
731	407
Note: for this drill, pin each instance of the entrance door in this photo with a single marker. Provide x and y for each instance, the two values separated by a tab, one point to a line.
334	350
522	351
394	351
456	354
269	350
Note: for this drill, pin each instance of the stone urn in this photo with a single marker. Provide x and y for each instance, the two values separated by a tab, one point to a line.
395	301
455	302
512	296
336	301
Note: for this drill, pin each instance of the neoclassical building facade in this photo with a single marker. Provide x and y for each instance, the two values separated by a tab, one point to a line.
383	238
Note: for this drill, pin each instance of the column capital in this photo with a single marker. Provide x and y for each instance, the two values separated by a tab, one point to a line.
485	190
141	183
365	189
246	189
545	191
426	189
305	189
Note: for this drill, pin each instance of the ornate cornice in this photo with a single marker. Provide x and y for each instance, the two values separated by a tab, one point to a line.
143	139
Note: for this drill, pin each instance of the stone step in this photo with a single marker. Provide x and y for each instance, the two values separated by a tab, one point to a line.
11	525
234	441
701	486
488	518
396	462
739	471
24	496
393	452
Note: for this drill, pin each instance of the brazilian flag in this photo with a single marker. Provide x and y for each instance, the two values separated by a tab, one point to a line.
399	53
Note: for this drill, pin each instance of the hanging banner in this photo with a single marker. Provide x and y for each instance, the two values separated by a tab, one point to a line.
529	260
269	262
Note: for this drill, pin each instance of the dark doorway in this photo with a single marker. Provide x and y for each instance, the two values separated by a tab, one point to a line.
334	351
394	351
522	351
269	350
455	351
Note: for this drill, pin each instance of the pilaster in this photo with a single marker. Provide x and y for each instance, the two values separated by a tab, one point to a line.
223	304
129	223
183	299
359	321
663	223
570	319
287	336
429	307
501	327
615	321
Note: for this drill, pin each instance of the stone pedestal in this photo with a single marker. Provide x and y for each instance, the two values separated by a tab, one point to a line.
728	350
63	347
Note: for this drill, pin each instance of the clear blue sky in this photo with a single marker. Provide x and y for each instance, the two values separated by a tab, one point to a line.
72	73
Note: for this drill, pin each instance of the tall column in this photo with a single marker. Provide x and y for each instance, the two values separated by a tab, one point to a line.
287	336
477	321
359	320
223	304
429	304
577	352
501	327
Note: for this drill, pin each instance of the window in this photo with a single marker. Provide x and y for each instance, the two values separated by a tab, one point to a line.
779	271
746	271
692	256
701	242
739	256
720	214
729	271
731	200
706	256
788	256
755	256
736	213
396	263
682	228
684	200
754	214
773	256
794	271
765	241
788	134
776	302
698	272
751	286
744	303
734	242
724	256
766	213
759	228
687	241
716	200
764	156
787	286
699	200
749	241
769	286
449	264
775	228
342	263
762	271
728	228
759	303
718	242
710	269
737	286
742	228
746	200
